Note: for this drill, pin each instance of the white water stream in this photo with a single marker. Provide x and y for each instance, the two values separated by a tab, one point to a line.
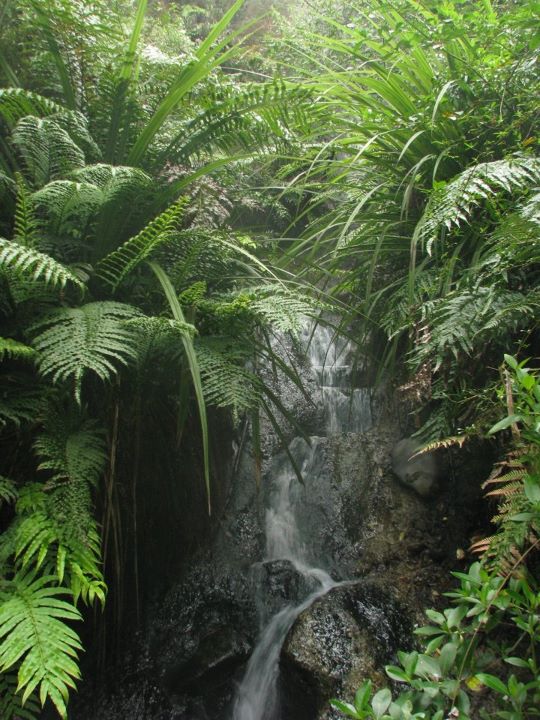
346	410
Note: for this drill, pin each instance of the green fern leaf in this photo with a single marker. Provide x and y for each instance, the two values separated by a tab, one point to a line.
284	310
19	401
11	707
118	264
13	349
35	265
92	338
71	447
26	225
225	382
34	636
16	103
453	203
46	148
8	491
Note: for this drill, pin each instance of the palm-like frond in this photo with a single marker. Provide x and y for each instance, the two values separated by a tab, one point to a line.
35	637
91	338
33	265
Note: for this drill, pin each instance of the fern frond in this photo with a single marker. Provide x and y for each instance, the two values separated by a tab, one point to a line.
16	103
56	531
225	382
19	401
35	637
11	707
68	205
35	265
118	264
283	309
71	447
161	326
8	491
13	349
25	225
46	148
92	338
453	203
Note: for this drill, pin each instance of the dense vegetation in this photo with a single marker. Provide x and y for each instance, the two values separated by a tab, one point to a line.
172	196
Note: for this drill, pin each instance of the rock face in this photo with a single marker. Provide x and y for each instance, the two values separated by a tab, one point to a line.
341	640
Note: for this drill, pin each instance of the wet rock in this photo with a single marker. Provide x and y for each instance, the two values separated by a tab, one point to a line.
343	638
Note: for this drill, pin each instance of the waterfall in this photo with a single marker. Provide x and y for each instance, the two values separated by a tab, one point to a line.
345	410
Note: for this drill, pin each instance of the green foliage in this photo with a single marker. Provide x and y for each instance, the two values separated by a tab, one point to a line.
35	265
34	634
10	702
115	267
226	382
8	490
93	337
13	349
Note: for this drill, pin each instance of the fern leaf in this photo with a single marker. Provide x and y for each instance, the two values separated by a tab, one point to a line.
11	707
19	401
46	148
16	103
92	338
25	226
13	349
452	204
118	264
71	447
8	491
225	383
284	310
35	636
35	265
68	205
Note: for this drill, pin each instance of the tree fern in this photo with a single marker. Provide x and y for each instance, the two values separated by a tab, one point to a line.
35	637
34	265
452	203
91	338
116	266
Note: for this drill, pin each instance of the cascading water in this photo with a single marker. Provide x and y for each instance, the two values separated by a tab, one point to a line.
346	410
